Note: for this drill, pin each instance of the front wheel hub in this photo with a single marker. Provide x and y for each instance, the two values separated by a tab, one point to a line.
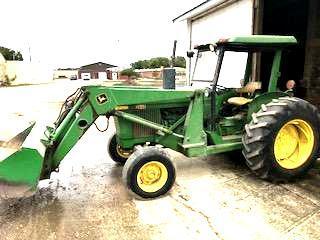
152	176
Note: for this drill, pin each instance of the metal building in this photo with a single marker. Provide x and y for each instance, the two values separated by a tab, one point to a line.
214	19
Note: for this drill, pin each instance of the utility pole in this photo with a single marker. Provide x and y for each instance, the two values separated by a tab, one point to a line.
29	53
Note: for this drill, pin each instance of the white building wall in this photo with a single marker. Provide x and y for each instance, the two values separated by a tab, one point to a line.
28	73
235	19
232	20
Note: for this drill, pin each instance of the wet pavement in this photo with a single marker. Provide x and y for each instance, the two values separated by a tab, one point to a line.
213	198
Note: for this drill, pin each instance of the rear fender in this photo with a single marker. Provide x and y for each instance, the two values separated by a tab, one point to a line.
264	98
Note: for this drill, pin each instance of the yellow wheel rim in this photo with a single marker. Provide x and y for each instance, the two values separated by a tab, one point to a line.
152	176
294	144
123	153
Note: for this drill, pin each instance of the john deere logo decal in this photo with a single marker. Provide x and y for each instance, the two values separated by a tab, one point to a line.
102	98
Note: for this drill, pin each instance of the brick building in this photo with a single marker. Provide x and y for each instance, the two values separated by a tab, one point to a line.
97	70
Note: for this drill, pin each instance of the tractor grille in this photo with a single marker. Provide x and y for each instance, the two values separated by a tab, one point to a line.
149	114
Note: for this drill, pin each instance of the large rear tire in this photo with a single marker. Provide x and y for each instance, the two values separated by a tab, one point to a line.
282	140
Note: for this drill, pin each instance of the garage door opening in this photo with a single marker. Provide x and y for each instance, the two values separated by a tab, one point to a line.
286	17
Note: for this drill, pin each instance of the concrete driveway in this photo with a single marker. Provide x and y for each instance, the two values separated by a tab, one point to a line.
213	198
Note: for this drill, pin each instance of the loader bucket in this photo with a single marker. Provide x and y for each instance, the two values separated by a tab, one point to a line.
20	167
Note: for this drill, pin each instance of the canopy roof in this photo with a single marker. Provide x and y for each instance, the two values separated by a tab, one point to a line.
251	43
258	41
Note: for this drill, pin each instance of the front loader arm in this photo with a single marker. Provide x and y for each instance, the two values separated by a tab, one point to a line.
71	129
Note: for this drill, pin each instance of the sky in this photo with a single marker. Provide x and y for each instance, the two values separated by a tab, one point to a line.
71	33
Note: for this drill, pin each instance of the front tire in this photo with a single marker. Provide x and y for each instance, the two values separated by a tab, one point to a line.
282	140
149	172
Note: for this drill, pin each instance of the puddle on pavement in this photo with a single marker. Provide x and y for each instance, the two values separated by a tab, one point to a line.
90	204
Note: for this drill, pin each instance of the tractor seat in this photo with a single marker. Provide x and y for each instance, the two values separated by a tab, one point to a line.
250	87
239	101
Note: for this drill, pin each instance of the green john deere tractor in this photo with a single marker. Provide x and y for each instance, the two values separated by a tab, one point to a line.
277	133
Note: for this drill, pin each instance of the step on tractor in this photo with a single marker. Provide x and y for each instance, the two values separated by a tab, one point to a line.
277	133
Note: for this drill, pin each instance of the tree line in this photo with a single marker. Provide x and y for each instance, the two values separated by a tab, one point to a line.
158	62
10	54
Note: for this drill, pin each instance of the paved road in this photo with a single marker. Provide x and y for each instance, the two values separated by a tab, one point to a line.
213	198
